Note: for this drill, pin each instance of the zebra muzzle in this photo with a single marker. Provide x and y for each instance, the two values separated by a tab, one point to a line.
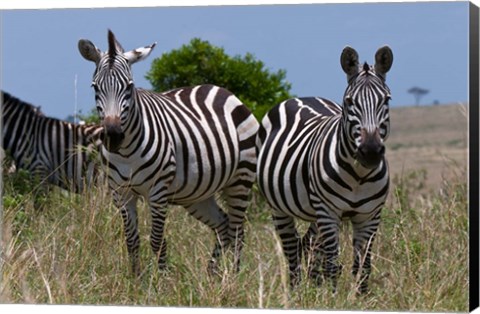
371	149
114	135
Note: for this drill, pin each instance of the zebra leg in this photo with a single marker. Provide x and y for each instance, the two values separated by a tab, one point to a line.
157	238
212	215
291	245
237	197
127	203
41	187
238	190
311	251
328	229
363	235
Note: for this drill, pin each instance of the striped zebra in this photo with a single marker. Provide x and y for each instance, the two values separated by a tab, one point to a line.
178	147
52	150
321	162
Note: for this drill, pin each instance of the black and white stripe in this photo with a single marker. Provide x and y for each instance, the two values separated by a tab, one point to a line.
177	147
52	150
321	162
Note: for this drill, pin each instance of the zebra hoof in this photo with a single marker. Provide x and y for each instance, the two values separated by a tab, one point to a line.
136	271
317	280
163	268
362	289
295	280
213	269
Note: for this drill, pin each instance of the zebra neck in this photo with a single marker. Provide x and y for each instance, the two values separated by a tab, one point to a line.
345	148
134	129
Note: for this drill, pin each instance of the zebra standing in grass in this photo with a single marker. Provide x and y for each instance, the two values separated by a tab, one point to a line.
178	147
321	162
55	151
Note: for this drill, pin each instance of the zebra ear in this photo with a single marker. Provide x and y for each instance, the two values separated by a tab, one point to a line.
349	61
139	53
89	51
114	46
383	60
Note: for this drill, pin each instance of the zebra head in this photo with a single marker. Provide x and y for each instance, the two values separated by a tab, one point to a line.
365	105
113	85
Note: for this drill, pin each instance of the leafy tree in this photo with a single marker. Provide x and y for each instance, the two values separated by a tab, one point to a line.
199	62
89	118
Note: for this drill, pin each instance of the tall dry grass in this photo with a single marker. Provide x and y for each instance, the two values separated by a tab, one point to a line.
73	252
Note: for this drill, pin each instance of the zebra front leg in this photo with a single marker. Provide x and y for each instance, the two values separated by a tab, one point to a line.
291	245
311	251
363	235
128	208
328	229
157	239
209	213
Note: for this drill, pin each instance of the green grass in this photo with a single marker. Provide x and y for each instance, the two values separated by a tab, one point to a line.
73	252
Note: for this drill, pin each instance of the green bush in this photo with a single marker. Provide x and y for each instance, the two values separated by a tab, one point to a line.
199	62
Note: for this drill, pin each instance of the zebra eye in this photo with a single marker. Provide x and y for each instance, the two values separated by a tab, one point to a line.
387	99
349	101
100	110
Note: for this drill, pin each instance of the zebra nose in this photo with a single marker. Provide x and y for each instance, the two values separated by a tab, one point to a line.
371	149
113	133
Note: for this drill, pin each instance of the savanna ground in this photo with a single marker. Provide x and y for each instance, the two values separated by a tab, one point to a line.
73	252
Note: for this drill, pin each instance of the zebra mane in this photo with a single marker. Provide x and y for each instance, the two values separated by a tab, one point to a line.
14	101
366	67
38	111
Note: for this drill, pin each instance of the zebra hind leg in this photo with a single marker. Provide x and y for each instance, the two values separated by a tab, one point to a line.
209	213
291	245
237	199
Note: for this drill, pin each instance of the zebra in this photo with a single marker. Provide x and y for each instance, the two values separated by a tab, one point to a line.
52	150
180	147
321	163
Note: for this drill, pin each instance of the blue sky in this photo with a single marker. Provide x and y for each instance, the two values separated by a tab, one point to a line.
41	63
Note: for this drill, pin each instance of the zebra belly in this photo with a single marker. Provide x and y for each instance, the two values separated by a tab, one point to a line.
151	179
206	159
196	181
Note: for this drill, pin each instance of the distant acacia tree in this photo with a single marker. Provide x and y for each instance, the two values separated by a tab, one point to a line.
199	62
418	93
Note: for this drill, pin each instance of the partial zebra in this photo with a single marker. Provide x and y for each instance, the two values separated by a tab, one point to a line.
321	162
54	151
177	147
